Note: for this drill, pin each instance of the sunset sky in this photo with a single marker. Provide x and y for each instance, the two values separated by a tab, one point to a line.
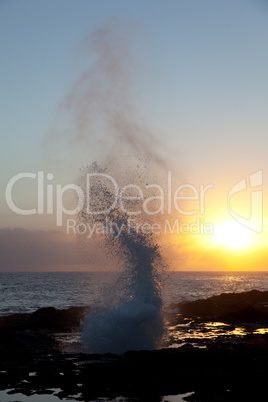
191	75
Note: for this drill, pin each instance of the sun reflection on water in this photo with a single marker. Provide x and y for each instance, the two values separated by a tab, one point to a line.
195	332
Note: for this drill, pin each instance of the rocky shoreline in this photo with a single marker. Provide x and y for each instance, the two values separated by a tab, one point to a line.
214	368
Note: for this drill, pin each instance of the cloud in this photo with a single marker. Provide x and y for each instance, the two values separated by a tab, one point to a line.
32	250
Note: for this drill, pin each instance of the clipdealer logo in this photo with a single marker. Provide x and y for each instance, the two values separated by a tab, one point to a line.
150	200
50	200
255	220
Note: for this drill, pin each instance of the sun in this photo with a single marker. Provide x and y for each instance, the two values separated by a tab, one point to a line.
233	235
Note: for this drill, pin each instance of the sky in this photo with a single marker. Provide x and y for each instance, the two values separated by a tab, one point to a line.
191	75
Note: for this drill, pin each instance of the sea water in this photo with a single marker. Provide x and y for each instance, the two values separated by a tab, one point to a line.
25	292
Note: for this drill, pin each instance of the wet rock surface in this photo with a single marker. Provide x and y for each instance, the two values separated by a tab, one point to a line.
228	307
221	372
223	369
46	318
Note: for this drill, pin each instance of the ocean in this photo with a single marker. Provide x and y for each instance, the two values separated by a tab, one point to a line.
28	291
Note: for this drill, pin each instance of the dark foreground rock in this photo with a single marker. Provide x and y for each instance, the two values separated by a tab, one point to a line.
18	344
229	307
47	318
220	373
224	369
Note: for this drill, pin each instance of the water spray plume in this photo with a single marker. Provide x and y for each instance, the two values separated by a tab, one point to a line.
98	118
134	318
105	121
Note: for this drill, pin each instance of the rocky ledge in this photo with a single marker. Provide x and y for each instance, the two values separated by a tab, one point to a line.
32	360
246	307
46	318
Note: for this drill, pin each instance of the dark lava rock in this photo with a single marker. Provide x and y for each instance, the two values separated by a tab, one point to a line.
247	315
17	320
17	344
24	336
32	362
47	318
58	320
228	306
221	373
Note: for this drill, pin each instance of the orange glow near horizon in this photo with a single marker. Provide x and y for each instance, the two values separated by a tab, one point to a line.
230	247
